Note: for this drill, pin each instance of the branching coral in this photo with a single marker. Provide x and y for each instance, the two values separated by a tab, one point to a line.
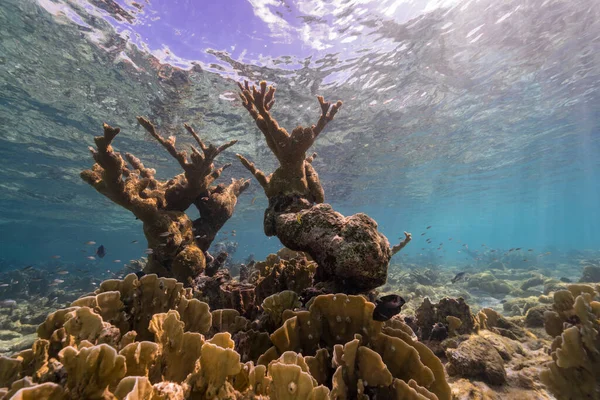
176	250
350	252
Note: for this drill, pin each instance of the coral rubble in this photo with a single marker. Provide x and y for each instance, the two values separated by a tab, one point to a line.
349	251
176	250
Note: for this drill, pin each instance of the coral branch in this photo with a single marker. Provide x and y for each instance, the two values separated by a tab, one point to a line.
404	242
161	205
290	149
215	208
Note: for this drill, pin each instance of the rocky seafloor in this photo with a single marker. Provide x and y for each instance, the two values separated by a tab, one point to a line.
494	334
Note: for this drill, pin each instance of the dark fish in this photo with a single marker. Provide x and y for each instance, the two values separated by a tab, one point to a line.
565	280
518	248
502	301
27	268
458	277
529	249
139	274
101	252
428	227
134	241
423	233
387	306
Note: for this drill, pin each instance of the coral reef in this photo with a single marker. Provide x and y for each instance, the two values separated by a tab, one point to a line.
280	272
296	213
574	372
146	338
177	245
428	315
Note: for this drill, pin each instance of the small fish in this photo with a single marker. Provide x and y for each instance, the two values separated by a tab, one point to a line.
458	277
134	241
387	306
56	257
423	233
449	238
163	245
62	272
565	280
27	268
148	251
91	257
529	249
56	282
8	303
512	249
299	218
253	200
429	227
492	251
101	252
4	284
517	249
502	301
165	234
90	243
116	261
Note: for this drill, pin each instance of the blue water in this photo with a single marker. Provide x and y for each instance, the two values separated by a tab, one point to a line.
477	118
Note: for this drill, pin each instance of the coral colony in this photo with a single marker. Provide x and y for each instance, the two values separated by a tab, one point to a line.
307	322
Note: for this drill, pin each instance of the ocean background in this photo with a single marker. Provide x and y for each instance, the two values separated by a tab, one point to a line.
480	119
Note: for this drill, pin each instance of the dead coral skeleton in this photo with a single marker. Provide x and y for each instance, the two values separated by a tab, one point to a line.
176	251
296	213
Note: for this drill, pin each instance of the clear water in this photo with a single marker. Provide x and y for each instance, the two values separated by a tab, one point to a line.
479	118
